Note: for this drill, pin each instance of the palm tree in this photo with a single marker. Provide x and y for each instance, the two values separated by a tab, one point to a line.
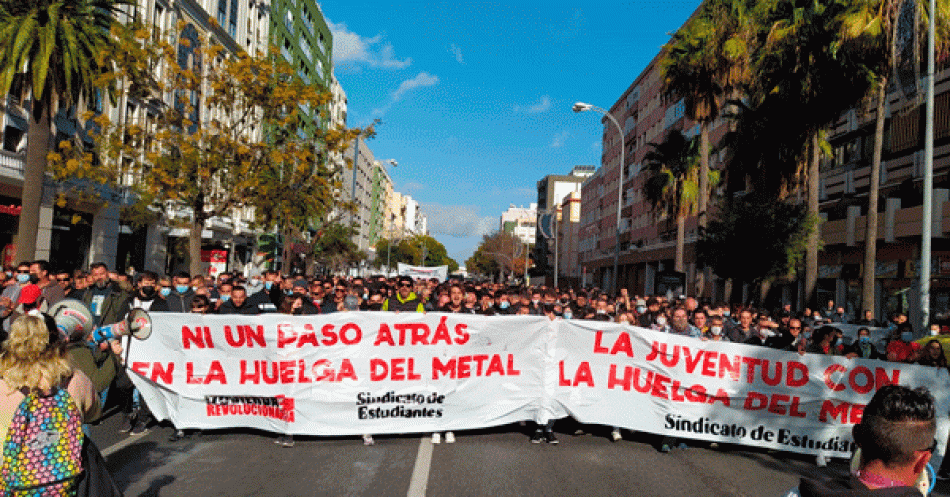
706	62
672	184
869	29
60	49
799	65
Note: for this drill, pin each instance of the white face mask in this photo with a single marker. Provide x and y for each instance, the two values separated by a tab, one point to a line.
716	330
661	320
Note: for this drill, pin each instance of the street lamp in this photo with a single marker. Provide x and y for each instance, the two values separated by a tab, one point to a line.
389	242
582	107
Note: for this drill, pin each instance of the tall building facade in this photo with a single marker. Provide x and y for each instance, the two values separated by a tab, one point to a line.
300	31
521	222
552	189
647	241
82	232
358	184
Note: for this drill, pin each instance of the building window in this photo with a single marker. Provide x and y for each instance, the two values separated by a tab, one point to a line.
232	24
222	12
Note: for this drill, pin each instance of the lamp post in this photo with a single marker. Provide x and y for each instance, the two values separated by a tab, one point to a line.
582	107
389	241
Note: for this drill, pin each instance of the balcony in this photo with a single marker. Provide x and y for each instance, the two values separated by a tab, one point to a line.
11	164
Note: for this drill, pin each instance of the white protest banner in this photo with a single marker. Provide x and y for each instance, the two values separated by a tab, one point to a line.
678	386
345	373
351	373
424	272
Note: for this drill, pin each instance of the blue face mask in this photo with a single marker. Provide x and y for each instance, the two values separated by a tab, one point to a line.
268	284
864	339
568	315
225	298
726	313
505	305
641	309
165	291
181	288
907	336
23	277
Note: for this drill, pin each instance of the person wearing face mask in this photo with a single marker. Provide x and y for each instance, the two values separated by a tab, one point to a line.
502	304
268	298
862	347
180	294
940	333
222	294
146	294
164	286
660	323
11	294
534	307
902	347
716	332
41	276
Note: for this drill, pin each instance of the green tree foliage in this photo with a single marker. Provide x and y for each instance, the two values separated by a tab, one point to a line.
416	250
60	49
235	138
333	247
672	185
755	239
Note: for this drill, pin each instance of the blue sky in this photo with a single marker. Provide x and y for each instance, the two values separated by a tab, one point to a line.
475	97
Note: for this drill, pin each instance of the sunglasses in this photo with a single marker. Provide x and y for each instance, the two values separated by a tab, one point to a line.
405	284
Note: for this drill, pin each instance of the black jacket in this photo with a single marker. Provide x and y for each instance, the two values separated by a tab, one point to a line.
850	486
248	308
267	300
179	302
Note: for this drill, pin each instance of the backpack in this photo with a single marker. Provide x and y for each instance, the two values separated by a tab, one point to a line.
42	452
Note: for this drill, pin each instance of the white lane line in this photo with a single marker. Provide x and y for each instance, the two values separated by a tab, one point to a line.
119	446
420	472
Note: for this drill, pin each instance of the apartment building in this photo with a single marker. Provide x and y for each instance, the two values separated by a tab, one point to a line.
83	232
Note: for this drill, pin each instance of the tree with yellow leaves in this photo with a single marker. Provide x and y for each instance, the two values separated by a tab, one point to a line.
225	133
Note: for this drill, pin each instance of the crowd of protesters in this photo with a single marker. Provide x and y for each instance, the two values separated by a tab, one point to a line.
110	295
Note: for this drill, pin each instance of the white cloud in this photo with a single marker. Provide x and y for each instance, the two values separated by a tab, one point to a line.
542	105
457	53
458	220
351	49
559	139
421	80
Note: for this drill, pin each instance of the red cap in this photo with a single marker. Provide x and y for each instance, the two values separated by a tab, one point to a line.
29	294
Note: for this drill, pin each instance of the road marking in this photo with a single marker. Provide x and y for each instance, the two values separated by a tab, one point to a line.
119	446
420	472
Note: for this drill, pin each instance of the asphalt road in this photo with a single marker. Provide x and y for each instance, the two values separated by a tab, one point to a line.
497	462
